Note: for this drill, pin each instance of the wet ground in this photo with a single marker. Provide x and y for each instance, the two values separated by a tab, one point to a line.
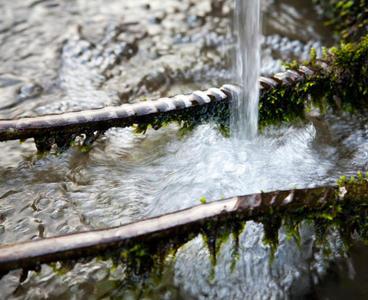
65	56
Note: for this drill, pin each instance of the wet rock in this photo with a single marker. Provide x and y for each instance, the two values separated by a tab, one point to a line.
217	8
125	50
154	30
157	17
9	80
195	21
155	80
181	38
285	48
99	57
14	90
29	91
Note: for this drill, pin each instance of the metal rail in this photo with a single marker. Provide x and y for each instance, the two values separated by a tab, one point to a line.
63	127
187	222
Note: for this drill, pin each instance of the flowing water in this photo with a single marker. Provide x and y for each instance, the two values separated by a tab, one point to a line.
63	56
244	111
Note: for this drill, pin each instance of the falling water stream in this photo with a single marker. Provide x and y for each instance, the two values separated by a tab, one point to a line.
244	112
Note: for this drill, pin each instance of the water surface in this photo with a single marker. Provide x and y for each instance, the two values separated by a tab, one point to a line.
74	55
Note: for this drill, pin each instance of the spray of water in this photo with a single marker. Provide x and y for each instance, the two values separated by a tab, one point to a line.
244	115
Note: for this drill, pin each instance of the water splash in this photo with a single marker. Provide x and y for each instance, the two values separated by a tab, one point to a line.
244	114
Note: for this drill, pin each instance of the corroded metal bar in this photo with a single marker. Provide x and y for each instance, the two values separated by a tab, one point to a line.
187	222
129	114
97	119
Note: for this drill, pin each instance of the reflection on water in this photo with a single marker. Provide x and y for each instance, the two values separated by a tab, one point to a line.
62	56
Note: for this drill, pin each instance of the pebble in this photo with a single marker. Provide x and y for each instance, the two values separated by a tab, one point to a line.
29	90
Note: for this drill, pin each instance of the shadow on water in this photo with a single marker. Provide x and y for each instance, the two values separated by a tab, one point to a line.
346	277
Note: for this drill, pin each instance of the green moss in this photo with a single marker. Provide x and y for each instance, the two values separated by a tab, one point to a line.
342	86
203	200
348	19
62	268
215	235
237	229
190	118
292	230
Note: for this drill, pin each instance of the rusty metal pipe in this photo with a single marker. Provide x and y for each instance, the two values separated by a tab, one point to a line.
185	222
128	114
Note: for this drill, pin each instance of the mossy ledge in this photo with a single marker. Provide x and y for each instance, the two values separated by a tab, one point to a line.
339	81
143	246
